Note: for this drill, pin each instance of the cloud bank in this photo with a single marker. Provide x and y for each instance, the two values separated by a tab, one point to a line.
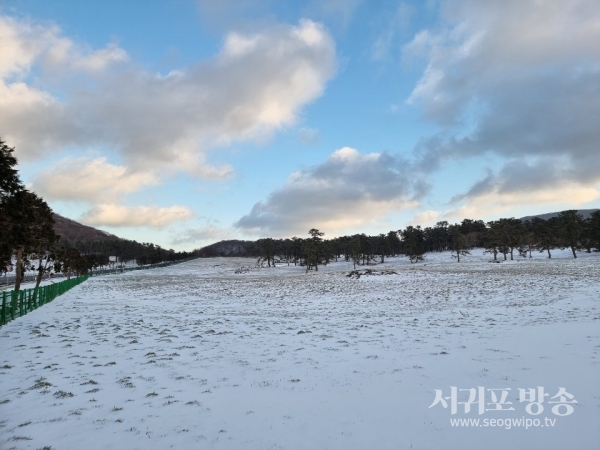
524	78
349	189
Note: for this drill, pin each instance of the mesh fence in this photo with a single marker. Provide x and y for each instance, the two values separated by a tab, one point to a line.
18	303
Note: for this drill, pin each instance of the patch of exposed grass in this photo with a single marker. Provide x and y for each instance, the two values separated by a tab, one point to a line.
63	394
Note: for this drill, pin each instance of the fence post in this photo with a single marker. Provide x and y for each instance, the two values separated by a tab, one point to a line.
3	313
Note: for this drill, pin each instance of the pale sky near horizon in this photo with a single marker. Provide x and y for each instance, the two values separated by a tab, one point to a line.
186	122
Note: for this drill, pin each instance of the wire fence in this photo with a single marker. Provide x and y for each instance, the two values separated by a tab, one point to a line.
8	280
117	270
18	303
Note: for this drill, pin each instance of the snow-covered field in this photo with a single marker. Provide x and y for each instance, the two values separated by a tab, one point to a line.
197	356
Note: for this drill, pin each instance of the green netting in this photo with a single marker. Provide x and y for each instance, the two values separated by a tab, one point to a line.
18	303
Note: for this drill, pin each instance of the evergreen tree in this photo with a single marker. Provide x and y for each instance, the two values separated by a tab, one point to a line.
509	235
393	242
545	235
459	242
593	230
413	240
10	184
570	228
312	249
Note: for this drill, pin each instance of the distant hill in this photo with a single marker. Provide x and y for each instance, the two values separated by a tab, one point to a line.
72	231
584	212
224	248
91	241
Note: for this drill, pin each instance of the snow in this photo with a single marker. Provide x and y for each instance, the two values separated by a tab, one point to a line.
198	356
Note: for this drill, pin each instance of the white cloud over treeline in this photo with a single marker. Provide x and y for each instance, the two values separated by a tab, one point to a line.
349	189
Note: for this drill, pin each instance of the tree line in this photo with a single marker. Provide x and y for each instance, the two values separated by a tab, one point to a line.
503	238
27	235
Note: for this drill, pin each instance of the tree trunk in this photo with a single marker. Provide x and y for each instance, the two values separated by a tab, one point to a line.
511	253
38	280
573	250
39	277
19	272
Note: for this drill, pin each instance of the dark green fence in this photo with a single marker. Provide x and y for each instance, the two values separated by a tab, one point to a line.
18	303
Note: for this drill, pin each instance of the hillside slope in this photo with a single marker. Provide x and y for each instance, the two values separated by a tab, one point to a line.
72	231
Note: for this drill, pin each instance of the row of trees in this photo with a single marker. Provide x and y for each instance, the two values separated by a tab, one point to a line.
142	253
27	235
505	238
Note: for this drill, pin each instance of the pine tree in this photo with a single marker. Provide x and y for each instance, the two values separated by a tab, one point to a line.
313	249
593	230
570	228
413	240
10	184
459	242
545	235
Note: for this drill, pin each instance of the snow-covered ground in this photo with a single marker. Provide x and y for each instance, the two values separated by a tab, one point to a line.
197	356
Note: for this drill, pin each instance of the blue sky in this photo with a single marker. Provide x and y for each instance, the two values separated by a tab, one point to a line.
186	122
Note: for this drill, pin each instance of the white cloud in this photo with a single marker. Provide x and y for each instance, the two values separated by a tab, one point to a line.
133	216
101	59
255	85
92	180
158	124
349	190
25	43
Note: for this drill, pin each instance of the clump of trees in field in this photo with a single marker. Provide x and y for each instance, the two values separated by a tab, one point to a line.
27	235
505	238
